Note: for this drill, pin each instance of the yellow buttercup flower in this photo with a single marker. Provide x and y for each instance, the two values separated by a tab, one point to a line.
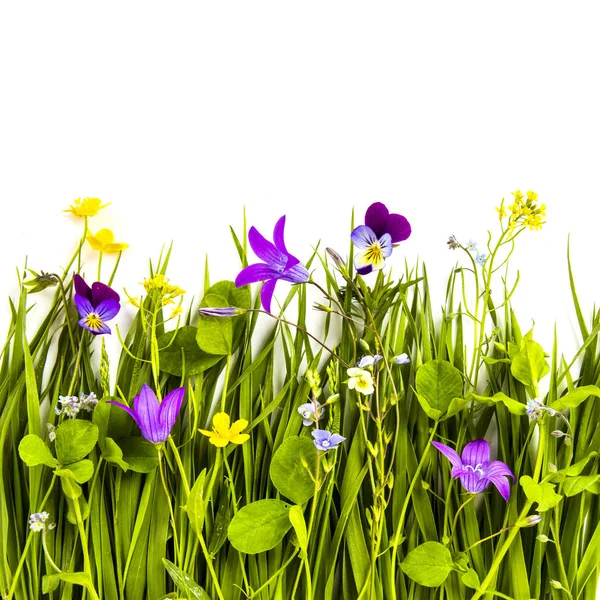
86	207
223	432
104	241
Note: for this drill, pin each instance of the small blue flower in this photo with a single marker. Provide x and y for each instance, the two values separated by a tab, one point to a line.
368	361
310	412
472	246
325	440
402	359
480	259
70	406
37	521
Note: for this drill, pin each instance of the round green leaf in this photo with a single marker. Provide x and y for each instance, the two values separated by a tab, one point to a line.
141	456
33	451
75	439
291	468
542	493
80	471
438	383
173	353
259	526
529	364
428	564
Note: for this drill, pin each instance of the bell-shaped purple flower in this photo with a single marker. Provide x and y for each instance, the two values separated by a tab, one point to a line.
278	264
96	305
475	470
325	440
375	239
155	419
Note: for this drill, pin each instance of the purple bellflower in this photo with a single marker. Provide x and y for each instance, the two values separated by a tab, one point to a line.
475	470
375	239
155	419
325	440
278	264
96	305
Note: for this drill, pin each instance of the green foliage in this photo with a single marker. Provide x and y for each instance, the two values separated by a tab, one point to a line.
33	451
542	493
438	384
75	439
180	351
428	564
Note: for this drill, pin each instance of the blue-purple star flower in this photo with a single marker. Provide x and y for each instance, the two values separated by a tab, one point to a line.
375	239
480	259
368	361
96	305
278	264
475	470
155	419
311	412
401	359
325	440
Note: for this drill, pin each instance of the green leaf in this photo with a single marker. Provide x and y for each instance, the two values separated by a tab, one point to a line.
514	407
81	471
455	407
575	485
75	439
299	524
173	353
576	468
71	489
529	364
428	564
437	384
291	468
184	582
51	582
219	529
33	451
196	504
576	397
140	455
542	493
259	526
471	579
113	454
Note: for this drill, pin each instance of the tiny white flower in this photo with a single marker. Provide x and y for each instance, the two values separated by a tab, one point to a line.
361	381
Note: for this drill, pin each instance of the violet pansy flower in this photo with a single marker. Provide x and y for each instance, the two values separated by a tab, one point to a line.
155	419
325	440
375	239
475	470
278	264
96	305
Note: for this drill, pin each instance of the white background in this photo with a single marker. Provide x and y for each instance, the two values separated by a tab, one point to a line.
180	114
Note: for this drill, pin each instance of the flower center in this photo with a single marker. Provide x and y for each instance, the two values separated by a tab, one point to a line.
93	321
373	253
476	470
325	443
306	414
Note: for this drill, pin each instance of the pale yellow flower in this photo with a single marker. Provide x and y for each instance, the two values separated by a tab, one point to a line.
361	381
176	311
223	432
86	207
501	211
104	241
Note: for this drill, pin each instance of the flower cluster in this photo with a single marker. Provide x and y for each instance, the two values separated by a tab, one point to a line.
71	405
37	522
524	211
479	258
165	290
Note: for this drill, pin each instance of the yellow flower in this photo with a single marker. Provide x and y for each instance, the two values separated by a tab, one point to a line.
223	432
104	241
534	222
501	211
361	381
518	196
86	207
531	195
176	311
542	210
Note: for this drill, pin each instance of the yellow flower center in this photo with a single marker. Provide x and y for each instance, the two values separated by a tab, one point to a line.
373	253
93	321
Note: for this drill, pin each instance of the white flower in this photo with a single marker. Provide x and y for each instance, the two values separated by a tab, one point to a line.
37	521
361	381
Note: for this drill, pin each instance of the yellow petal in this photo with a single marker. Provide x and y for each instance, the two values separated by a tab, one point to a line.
221	424
240	438
238	426
115	247
106	236
207	433
95	243
218	441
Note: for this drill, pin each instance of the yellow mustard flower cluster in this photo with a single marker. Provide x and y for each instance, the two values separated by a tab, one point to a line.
167	292
524	211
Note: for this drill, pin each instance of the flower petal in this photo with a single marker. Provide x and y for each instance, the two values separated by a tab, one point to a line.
364	270
385	241
473	483
476	453
220	442
124	407
84	306
265	250
101	292
147	407
256	272
295	274
376	218
320	435
502	485
81	287
169	409
497	469
240	438
280	243
266	293
363	237
221	423
102	329
337	439
238	426
108	309
449	453
398	227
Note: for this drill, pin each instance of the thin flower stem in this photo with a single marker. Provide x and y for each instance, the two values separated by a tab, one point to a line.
84	547
48	557
471	497
114	271
489	537
225	383
100	265
77	363
186	485
172	514
276	574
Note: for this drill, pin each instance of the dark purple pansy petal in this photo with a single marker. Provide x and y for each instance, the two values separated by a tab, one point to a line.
108	309
169	409
497	469
266	294
146	408
502	485
376	218
265	250
84	306
385	241
476	453
398	227
449	453
363	237
101	292
254	273
81	287
472	482
364	270
297	274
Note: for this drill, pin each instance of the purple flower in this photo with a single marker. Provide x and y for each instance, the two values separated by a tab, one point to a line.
376	237
401	359
96	305
325	440
154	418
368	361
475	470
221	312
278	264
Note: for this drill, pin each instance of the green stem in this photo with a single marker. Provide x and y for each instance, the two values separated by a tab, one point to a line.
186	485
84	547
47	553
225	383
100	265
471	497
171	513
63	296
77	363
